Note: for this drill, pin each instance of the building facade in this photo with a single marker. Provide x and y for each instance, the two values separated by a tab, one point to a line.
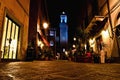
52	41
14	21
37	37
63	33
103	26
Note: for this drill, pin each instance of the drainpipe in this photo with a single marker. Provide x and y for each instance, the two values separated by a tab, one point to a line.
109	16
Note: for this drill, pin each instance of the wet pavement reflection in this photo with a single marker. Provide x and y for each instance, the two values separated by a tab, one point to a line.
58	70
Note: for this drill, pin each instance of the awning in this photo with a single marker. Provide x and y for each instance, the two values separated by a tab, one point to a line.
96	25
43	39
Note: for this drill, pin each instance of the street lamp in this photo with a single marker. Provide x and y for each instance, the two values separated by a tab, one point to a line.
74	46
45	25
74	38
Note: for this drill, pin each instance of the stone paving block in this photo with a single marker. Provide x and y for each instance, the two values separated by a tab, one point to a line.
58	70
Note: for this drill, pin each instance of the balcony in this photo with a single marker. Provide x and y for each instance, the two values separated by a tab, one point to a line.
96	25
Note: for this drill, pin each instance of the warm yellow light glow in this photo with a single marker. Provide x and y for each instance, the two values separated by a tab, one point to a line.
40	43
105	33
66	53
85	46
38	28
13	43
91	42
73	45
100	19
74	38
45	25
105	36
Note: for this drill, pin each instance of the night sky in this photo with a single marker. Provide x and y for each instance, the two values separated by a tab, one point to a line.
73	9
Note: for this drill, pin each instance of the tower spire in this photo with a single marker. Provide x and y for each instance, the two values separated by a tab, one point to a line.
63	17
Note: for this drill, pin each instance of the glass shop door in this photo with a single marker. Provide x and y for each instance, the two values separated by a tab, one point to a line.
9	39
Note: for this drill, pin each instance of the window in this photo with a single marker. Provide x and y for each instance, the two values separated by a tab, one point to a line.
52	33
51	43
9	39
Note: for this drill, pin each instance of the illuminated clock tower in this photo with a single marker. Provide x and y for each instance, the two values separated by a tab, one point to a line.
63	32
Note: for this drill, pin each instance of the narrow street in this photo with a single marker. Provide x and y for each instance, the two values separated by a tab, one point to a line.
58	70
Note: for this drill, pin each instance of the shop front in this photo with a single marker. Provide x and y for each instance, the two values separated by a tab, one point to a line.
10	39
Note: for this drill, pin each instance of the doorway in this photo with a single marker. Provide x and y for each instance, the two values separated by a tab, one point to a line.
99	43
10	39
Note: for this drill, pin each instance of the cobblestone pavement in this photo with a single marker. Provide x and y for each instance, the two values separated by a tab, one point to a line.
58	70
